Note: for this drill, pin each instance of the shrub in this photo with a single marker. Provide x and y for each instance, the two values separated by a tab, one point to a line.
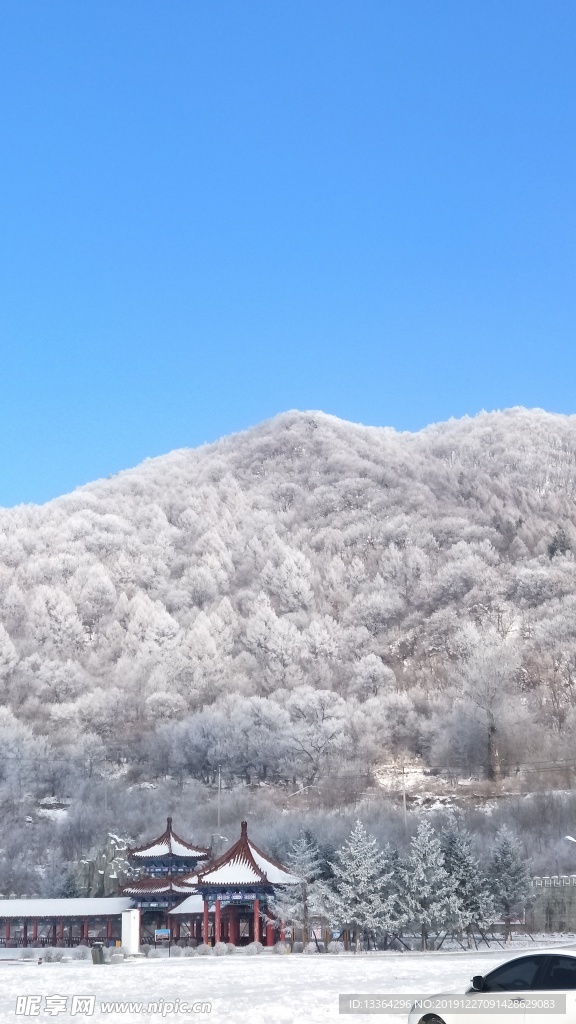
48	955
58	954
230	947
154	953
189	951
253	948
220	949
28	954
310	947
281	948
204	949
335	946
176	951
82	952
145	949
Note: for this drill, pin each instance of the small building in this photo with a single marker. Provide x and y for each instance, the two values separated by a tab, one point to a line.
61	922
162	868
240	885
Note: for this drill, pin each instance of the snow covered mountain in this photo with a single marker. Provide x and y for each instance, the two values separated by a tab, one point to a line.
305	593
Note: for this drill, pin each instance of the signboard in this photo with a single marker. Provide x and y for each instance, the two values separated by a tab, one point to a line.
234	896
161	933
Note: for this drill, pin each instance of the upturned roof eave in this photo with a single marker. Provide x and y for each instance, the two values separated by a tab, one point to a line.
143	852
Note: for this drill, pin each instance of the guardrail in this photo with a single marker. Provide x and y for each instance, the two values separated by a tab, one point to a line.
550	881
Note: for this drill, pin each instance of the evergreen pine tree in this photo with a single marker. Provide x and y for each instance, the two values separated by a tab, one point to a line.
509	877
475	901
360	895
428	893
297	904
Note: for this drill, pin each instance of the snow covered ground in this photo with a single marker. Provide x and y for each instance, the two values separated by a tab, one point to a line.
264	989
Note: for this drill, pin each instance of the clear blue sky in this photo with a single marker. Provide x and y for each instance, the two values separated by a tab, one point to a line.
215	210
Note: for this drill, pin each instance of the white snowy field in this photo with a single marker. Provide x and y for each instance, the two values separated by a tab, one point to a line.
264	989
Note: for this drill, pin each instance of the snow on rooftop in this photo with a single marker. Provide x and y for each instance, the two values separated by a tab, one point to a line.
234	873
193	905
169	844
273	872
87	906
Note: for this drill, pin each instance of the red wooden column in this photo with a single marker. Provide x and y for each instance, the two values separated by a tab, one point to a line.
25	933
61	928
35	930
269	933
256	920
205	925
7	930
85	930
108	928
232	925
217	922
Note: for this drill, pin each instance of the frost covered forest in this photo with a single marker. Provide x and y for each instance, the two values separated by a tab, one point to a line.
302	604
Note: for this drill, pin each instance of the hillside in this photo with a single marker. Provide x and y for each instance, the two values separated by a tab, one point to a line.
309	596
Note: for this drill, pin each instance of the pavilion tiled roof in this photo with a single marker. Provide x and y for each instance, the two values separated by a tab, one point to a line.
169	845
158	886
244	864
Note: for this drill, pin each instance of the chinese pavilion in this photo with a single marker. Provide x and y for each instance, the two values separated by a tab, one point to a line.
240	885
162	868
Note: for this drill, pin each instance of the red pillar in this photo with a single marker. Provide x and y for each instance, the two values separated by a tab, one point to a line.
205	926
282	931
256	920
217	922
85	935
61	928
269	933
7	929
232	924
35	930
108	927
25	934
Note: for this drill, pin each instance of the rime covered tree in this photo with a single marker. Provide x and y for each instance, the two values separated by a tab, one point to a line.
475	902
298	904
509	877
360	895
428	893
